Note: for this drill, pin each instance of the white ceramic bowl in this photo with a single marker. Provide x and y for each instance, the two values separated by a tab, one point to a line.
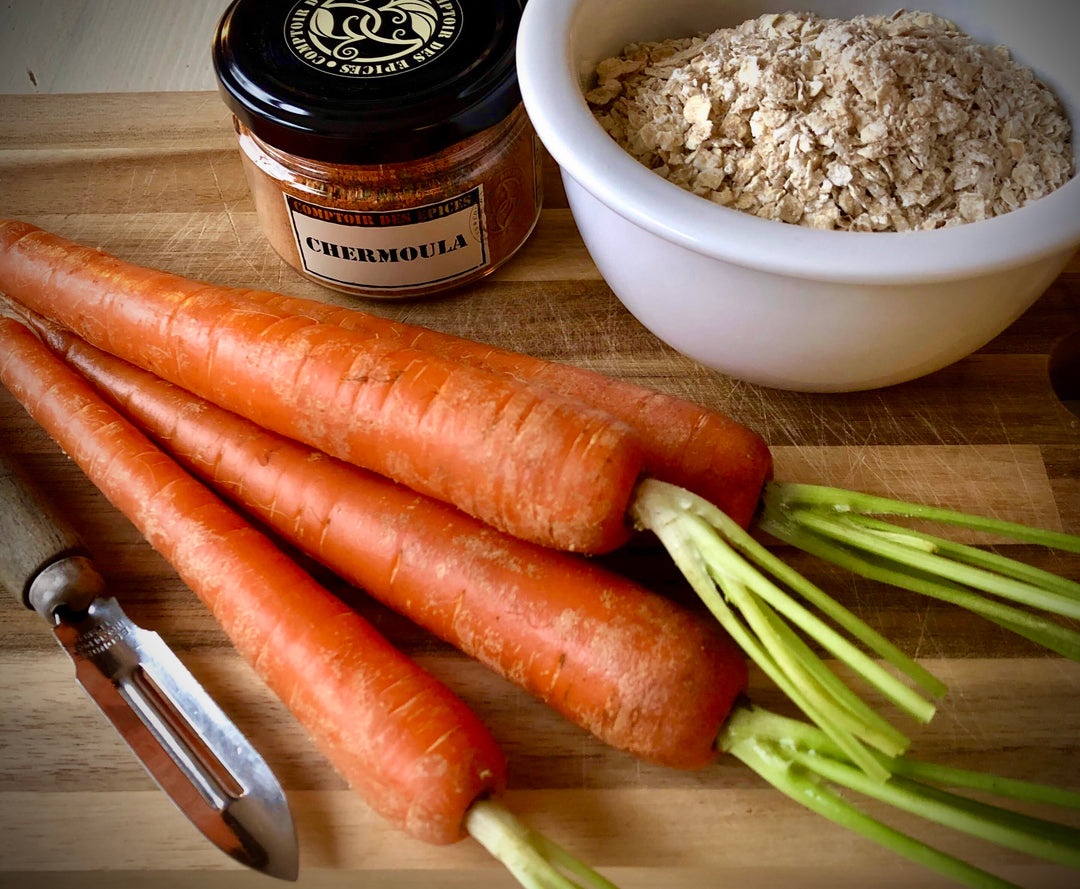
784	305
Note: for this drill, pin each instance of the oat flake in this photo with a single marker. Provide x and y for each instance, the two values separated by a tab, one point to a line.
880	123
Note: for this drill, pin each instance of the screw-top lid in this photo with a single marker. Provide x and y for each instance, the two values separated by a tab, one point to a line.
368	81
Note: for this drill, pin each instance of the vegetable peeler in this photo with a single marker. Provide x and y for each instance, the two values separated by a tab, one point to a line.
183	738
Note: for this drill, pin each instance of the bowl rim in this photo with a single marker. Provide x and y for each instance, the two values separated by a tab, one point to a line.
560	115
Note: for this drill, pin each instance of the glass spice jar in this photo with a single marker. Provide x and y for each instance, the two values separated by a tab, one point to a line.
385	143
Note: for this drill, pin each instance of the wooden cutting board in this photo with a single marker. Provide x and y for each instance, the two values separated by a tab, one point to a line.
156	179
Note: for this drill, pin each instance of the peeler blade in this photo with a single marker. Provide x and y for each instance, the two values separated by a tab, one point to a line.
183	738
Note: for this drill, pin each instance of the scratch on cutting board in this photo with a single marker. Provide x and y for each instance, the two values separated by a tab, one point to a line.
232	221
1029	495
922	647
224	203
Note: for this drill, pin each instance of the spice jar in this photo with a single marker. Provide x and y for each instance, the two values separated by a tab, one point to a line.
385	143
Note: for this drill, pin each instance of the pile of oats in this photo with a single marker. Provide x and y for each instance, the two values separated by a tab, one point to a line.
883	123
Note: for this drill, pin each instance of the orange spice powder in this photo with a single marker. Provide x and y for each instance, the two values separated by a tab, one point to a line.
402	229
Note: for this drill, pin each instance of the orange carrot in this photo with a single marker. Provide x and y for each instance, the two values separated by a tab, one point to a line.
556	472
544	468
414	751
685	444
641	673
796	758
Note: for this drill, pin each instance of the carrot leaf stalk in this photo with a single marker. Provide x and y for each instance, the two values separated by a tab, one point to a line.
843	527
729	571
803	763
535	861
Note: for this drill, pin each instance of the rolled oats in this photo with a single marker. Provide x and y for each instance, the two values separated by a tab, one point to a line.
878	123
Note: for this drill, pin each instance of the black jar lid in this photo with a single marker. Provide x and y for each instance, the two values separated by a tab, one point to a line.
368	81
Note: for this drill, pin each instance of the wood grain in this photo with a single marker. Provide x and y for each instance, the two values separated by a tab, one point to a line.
155	179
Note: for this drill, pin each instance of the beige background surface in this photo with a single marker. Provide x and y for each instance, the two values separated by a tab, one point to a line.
75	46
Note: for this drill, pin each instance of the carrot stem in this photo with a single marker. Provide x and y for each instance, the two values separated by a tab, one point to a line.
858	710
806	789
560	857
870	670
718	558
817	698
931	563
1038	629
1027	791
972	556
1034	836
832	609
801	761
792	495
532	858
686	557
848	621
837	526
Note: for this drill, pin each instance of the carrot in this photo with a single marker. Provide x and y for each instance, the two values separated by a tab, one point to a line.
685	444
798	760
556	472
541	467
641	673
415	752
413	749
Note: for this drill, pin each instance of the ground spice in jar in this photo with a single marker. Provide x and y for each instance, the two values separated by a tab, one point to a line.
385	143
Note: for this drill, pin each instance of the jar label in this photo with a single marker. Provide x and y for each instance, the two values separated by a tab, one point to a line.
373	38
392	249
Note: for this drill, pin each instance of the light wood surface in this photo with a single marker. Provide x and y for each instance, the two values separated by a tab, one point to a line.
156	179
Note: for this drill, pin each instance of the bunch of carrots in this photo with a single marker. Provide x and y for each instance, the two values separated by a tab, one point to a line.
461	485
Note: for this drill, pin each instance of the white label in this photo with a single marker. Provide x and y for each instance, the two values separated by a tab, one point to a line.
392	249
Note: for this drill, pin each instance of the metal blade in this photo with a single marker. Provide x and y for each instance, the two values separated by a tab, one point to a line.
185	741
